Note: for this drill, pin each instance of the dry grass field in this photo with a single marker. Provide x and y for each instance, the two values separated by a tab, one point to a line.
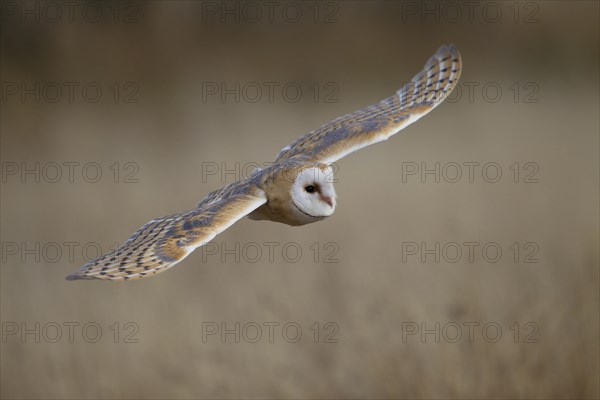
476	285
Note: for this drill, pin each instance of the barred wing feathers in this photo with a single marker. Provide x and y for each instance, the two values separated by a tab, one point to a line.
164	242
380	121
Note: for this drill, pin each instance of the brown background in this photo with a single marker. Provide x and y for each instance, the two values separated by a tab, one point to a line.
367	51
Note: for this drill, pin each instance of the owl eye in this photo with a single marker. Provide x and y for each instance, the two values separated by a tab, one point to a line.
310	188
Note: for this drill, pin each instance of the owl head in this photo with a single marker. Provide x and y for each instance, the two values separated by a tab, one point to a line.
312	191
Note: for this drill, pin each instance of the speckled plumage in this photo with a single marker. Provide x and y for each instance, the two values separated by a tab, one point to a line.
379	121
267	193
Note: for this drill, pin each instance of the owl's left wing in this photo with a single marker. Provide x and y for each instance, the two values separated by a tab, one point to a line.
163	242
378	122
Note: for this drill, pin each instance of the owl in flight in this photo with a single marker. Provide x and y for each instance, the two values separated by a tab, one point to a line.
296	189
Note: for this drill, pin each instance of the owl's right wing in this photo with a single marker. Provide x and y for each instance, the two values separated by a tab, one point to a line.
379	121
163	242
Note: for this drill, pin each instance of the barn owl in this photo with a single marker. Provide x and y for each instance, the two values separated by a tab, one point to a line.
296	189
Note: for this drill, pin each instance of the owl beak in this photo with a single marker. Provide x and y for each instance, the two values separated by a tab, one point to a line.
327	200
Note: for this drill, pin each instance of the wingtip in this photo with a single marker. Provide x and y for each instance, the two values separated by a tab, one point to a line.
76	276
453	50
448	48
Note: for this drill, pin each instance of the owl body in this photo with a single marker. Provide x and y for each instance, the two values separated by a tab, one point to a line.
297	189
287	199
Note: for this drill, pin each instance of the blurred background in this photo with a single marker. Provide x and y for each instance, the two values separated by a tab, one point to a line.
116	113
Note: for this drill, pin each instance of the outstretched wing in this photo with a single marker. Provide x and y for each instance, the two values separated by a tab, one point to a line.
378	122
163	242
